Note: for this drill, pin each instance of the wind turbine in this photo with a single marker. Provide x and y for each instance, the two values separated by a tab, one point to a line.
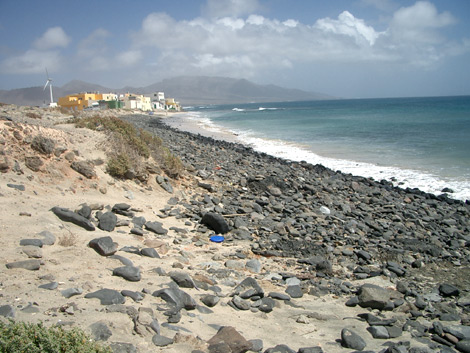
49	82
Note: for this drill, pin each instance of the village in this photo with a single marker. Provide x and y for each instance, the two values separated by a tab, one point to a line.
99	101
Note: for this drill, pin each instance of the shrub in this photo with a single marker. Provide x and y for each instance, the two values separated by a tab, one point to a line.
36	338
118	165
33	115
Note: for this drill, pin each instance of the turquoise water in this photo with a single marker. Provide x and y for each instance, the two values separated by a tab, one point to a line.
415	142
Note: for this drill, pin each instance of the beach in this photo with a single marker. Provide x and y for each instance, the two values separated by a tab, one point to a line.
310	259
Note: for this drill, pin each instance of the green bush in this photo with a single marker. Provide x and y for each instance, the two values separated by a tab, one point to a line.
130	146
32	338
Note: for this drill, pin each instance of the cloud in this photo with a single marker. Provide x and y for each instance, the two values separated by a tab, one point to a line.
129	58
54	37
247	46
231	8
32	62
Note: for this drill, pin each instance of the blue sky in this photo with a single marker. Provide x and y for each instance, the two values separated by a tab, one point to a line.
352	49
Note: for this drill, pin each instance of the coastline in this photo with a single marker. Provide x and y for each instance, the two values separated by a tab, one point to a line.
399	177
303	243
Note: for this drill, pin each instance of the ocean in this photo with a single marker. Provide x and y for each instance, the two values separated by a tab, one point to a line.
413	142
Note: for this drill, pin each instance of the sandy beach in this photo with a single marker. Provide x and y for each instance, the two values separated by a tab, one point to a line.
286	301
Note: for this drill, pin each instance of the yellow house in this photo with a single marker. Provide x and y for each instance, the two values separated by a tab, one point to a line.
79	101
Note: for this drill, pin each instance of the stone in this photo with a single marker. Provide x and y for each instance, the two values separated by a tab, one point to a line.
394	331
460	331
216	222
463	346
17	187
85	168
246	284
156	227
279	296
70	292
135	296
253	265
150	252
125	261
49	286
43	145
240	303
210	300
122	347
129	273
280	348
161	341
448	290
176	297
34	163
350	339
68	216
107	296
145	323
85	211
352	302
48	237
374	297
256	345
100	331
231	337
378	332
32	251
295	291
182	279
33	242
267	305
107	221
31	265
103	246
7	311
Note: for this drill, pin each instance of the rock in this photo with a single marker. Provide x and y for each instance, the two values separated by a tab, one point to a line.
136	296
182	279
100	331
161	341
378	332
7	311
156	227
240	303
216	222
210	300
32	242
32	251
107	296
87	169
69	216
267	305
295	291
34	163
122	347
32	265
145	322
125	261
70	292
280	348
43	144
394	331
256	345
279	296
49	286
150	252
129	273
48	237
85	211
16	187
316	349
231	337
353	301
459	331
176	297
103	246
448	290
247	284
374	297
253	266
463	346
107	221
350	339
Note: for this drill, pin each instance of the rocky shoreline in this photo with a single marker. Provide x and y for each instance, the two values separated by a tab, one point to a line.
247	252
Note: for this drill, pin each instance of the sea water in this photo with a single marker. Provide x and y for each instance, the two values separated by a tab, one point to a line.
414	142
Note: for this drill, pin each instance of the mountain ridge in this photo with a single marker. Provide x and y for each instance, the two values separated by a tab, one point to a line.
187	90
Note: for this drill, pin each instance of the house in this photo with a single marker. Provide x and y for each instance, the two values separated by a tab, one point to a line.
78	101
137	101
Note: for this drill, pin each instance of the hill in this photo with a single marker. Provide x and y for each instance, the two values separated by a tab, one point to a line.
186	89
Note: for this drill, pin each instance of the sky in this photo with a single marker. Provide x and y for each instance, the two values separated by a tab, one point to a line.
349	49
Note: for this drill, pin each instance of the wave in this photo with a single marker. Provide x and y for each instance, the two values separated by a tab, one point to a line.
238	110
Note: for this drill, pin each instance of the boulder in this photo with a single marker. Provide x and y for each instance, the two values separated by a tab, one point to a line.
69	216
374	297
103	246
216	222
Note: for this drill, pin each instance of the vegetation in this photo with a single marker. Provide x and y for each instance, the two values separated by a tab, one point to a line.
32	338
131	147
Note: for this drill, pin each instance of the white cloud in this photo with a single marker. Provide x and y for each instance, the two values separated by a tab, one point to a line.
54	37
32	62
240	46
129	58
229	8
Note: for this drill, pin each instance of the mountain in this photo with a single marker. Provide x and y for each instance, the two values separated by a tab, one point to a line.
185	89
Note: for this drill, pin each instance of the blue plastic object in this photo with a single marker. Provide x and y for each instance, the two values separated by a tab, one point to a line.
217	238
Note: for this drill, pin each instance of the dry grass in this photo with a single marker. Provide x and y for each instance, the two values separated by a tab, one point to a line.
68	240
